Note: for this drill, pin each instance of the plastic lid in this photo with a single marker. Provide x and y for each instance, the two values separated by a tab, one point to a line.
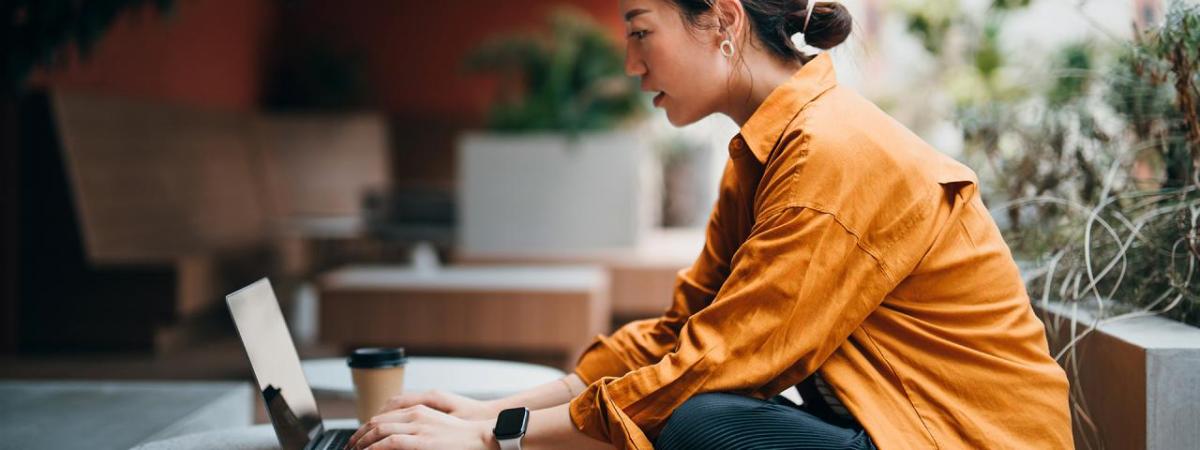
376	358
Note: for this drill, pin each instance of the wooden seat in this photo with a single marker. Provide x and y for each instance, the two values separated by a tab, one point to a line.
642	279
519	309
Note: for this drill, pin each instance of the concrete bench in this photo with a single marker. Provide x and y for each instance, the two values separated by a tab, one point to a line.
94	414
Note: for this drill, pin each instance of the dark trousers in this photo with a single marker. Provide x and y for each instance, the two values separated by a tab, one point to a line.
728	421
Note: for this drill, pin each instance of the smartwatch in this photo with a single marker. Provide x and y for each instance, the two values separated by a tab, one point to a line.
510	428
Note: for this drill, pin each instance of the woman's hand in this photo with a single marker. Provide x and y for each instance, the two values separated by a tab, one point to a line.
422	427
452	404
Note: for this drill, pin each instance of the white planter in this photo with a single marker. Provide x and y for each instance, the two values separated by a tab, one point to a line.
543	194
1140	378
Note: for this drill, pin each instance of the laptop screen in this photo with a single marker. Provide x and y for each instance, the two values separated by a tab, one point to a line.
276	365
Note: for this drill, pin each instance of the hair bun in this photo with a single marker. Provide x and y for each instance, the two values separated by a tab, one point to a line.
829	26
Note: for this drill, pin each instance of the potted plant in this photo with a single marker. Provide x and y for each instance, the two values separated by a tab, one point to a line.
561	165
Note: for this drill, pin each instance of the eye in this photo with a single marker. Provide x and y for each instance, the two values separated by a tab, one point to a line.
638	34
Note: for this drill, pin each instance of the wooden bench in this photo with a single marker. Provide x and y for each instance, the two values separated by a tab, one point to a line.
482	309
642	279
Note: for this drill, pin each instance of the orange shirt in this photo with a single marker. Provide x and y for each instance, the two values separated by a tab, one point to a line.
843	244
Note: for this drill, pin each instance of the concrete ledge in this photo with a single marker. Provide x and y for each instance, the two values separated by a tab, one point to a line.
101	414
1139	378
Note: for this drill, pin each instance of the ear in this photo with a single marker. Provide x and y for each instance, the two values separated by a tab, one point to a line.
731	20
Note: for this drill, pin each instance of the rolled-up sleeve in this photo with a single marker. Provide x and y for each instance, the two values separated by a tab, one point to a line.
644	342
630	347
798	286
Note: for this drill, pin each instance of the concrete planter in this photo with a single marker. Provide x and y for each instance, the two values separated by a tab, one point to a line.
544	193
1139	377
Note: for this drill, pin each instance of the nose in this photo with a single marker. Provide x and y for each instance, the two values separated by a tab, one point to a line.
634	65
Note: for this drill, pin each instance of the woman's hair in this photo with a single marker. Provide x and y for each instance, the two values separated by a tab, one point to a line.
775	21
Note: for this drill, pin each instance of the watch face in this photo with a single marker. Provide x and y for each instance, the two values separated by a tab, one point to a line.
511	423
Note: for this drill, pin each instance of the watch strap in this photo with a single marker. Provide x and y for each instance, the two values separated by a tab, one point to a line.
510	444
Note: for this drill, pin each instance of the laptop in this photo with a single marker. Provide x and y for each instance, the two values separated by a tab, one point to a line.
288	398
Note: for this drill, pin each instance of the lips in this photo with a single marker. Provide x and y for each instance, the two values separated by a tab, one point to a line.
659	98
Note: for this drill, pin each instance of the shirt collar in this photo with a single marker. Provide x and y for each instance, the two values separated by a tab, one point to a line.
762	131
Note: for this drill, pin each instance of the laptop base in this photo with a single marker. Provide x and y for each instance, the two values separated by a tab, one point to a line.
335	439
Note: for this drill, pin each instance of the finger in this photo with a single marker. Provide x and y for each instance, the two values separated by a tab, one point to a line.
415	413
438	400
442	401
383	431
396	442
402	401
359	434
375	422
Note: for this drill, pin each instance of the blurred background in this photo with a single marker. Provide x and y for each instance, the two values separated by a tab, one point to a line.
480	179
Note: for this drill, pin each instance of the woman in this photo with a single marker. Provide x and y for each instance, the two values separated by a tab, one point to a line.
844	256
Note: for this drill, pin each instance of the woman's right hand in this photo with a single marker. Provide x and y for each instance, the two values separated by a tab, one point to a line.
452	404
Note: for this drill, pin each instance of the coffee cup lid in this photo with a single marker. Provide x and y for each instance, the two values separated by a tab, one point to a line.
377	357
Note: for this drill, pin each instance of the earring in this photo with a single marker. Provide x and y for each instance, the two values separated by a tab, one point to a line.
727	48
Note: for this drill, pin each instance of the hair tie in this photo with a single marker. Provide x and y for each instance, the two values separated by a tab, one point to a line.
809	5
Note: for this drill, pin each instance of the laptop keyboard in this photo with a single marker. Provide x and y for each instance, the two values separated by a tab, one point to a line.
337	440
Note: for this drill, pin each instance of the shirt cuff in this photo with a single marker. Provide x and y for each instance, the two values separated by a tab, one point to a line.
596	414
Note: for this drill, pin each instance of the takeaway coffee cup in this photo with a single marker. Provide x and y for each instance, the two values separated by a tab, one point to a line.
378	375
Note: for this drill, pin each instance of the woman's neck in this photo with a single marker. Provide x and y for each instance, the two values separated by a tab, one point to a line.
752	90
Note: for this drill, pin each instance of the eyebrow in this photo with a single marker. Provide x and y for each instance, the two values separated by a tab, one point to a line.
634	13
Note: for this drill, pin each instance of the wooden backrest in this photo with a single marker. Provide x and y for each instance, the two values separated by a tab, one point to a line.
320	165
154	182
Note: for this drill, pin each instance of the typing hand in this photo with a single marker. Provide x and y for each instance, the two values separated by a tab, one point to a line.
422	427
452	404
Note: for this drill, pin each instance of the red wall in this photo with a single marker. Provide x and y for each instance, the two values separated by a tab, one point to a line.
214	52
413	52
218	52
204	52
414	49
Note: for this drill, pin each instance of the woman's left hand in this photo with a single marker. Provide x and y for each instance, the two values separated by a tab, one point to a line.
422	427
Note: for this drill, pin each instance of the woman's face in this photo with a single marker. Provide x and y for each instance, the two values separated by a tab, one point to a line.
682	65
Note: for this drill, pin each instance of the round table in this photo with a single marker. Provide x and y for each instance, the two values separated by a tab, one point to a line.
481	379
476	378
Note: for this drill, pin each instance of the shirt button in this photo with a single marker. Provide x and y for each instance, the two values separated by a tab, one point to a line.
738	148
737	145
